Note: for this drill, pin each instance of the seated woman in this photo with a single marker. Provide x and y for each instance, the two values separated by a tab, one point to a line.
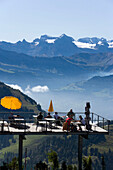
40	116
56	116
57	119
82	122
49	116
67	124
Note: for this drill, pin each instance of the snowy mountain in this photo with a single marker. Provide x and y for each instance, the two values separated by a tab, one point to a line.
47	46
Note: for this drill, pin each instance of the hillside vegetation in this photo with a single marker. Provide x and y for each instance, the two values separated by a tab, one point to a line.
28	104
65	146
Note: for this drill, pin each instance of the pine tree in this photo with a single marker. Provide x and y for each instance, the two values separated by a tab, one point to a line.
103	163
87	163
53	158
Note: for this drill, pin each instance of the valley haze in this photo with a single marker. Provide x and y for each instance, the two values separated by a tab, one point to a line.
70	72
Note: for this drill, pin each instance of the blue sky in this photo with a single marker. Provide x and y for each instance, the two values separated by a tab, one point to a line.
30	19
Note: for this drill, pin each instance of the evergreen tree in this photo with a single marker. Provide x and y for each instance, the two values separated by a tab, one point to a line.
13	165
63	166
53	158
41	166
87	163
103	163
70	167
4	167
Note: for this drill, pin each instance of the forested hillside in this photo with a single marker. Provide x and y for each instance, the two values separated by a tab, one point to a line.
66	147
28	104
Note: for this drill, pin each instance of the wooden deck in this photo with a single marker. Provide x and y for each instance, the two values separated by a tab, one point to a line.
43	128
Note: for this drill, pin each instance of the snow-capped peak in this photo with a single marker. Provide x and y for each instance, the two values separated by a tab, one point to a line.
50	40
84	45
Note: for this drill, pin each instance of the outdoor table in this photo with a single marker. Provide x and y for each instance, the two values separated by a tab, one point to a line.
50	120
76	123
41	123
35	117
17	121
2	121
79	124
3	124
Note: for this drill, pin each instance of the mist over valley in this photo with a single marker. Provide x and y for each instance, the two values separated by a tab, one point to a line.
70	80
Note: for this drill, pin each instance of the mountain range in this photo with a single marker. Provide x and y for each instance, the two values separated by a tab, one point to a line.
22	69
58	62
47	46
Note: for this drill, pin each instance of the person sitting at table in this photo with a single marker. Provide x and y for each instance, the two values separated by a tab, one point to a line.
49	116
40	116
82	122
71	112
11	118
70	117
67	124
58	118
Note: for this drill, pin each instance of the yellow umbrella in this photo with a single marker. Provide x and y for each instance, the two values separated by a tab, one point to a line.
51	107
11	102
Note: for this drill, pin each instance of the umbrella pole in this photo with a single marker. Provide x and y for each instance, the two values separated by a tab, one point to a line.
21	138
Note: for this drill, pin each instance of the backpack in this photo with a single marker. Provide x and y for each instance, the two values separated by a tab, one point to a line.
65	126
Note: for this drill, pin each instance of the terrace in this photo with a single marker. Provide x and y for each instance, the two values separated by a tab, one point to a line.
28	125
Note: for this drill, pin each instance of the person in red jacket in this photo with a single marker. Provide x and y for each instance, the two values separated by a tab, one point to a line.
70	119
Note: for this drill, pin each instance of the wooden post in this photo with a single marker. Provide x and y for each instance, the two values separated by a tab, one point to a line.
21	137
80	142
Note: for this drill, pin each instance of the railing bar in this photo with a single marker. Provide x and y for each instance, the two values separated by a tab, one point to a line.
103	123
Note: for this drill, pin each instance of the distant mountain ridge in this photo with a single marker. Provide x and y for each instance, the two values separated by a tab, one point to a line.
96	84
47	46
54	61
25	69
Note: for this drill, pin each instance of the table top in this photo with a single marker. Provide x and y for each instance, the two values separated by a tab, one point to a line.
49	119
43	122
18	119
76	123
35	116
1	121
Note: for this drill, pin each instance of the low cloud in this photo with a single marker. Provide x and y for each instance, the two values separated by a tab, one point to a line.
15	86
29	90
38	89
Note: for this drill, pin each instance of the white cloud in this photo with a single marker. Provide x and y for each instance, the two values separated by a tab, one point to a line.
29	90
15	86
40	89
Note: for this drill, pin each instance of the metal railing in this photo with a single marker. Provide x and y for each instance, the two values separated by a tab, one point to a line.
28	124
